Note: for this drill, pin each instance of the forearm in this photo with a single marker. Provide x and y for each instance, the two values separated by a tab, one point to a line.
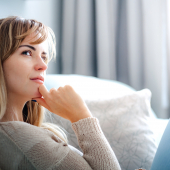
96	149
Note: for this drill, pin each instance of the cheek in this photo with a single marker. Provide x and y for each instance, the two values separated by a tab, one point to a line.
18	82
15	75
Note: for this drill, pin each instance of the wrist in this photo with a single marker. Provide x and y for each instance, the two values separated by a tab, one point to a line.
80	116
76	120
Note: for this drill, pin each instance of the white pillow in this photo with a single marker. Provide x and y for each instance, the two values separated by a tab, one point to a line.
125	123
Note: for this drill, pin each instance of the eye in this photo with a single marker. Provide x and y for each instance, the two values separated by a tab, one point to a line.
27	53
44	58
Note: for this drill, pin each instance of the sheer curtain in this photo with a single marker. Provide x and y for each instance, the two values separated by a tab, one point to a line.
124	40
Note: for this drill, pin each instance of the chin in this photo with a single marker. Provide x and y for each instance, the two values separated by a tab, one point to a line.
37	94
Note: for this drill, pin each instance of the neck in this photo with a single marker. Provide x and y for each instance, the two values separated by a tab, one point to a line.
14	110
12	114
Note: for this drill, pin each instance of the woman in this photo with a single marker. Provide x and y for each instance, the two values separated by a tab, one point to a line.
25	141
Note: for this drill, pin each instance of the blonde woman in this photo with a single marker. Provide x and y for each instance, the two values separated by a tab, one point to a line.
26	47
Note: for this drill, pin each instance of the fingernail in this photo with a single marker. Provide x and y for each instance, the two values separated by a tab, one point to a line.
34	100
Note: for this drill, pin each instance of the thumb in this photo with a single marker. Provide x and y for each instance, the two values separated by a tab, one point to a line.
43	90
42	102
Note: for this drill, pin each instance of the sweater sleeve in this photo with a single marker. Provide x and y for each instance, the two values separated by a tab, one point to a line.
96	149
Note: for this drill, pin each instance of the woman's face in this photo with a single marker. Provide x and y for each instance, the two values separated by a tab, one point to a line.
25	69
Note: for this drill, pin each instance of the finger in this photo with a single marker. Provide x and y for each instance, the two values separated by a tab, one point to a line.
43	90
42	102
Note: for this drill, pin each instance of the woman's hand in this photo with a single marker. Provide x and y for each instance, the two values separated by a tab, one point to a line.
64	102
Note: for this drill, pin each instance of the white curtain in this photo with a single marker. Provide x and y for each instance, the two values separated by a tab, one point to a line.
124	40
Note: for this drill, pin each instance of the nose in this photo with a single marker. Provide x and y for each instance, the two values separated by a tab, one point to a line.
40	64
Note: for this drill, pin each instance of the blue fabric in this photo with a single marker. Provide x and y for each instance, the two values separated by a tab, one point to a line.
162	157
34	100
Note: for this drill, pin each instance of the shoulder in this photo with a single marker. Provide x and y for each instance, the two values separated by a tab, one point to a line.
24	132
31	139
37	144
17	129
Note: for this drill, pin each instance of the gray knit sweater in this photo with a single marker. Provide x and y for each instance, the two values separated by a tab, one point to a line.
27	147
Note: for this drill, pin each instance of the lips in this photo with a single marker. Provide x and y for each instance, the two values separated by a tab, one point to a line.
38	79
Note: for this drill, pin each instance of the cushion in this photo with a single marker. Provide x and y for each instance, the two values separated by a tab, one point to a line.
124	118
88	86
125	123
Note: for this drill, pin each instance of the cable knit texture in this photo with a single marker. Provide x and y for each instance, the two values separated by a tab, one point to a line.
24	146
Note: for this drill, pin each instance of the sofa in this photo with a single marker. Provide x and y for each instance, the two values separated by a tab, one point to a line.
125	115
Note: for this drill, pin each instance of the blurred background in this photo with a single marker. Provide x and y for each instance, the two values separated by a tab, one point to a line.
123	40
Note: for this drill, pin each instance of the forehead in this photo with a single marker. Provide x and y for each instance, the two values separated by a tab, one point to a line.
31	38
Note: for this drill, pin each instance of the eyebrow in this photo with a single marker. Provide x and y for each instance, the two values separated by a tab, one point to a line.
29	46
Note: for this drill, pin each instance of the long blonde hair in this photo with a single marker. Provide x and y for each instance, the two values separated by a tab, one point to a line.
13	30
